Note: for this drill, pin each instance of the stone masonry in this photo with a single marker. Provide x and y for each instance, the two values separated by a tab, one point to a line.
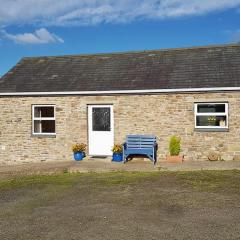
162	115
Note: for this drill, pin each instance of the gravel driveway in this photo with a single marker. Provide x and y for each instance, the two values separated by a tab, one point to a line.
121	205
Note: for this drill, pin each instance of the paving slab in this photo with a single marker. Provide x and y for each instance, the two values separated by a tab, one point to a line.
105	165
200	165
147	166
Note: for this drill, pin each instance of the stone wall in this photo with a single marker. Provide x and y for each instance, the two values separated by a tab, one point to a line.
162	115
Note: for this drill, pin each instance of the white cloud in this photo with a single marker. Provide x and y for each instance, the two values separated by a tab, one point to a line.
82	12
40	36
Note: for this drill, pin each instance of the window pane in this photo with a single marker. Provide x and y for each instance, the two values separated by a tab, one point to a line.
211	108
212	121
101	119
48	126
45	126
37	111
47	111
43	111
37	126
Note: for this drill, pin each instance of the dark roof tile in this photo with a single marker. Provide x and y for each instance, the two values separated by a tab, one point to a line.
201	67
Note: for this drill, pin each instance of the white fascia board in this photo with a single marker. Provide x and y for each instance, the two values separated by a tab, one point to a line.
147	91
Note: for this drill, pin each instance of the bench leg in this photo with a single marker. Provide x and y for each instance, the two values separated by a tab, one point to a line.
155	157
125	158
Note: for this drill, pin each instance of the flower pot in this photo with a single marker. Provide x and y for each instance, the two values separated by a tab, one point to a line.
78	156
117	157
174	159
213	157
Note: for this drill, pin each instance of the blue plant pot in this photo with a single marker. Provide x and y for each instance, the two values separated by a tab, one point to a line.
78	156
117	157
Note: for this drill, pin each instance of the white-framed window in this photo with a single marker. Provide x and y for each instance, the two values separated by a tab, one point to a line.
43	120
209	115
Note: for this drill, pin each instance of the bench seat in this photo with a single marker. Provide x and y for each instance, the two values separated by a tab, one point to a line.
140	145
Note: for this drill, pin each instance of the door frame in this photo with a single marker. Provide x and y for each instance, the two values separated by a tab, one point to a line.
88	123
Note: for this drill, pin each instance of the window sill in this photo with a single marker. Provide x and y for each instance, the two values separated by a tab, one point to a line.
211	129
44	135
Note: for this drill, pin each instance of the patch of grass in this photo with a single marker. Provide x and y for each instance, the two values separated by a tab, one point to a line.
211	180
205	180
68	179
123	178
25	181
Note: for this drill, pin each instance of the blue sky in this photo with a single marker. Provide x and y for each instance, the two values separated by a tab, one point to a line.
58	27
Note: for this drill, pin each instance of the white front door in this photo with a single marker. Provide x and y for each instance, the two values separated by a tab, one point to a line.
100	130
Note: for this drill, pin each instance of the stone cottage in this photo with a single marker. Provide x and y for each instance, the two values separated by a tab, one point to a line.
49	103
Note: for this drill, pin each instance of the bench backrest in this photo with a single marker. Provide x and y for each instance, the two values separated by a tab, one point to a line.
140	141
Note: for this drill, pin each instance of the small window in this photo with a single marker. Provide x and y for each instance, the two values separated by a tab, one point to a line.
43	120
211	115
101	119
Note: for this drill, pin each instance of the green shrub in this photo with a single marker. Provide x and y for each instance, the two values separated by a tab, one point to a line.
174	146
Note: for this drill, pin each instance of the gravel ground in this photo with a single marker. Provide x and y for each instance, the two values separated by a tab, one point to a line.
121	205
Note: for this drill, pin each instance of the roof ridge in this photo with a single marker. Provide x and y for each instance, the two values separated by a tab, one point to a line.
138	51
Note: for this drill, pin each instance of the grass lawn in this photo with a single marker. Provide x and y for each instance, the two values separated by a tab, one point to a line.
122	205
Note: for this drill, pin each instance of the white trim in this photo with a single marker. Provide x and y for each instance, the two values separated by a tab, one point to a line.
44	134
225	114
44	118
213	89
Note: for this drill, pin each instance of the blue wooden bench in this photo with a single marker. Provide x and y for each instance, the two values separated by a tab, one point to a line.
140	145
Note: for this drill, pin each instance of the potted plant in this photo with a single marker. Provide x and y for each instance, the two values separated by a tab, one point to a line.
212	156
117	153
79	151
222	123
174	150
212	121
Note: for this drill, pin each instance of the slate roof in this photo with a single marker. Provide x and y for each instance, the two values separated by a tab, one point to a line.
199	67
